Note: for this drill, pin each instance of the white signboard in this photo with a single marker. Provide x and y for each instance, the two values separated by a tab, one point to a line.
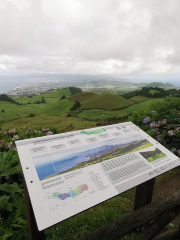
70	172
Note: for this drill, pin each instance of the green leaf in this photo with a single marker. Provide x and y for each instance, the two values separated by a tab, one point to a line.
8	207
15	170
5	236
11	188
3	201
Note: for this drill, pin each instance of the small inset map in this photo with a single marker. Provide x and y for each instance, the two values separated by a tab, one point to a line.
68	194
72	193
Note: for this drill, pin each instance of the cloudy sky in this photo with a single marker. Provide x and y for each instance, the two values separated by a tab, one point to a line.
115	37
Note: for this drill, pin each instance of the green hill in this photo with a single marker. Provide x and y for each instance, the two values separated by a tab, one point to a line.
60	107
58	93
160	85
106	101
148	92
138	99
83	96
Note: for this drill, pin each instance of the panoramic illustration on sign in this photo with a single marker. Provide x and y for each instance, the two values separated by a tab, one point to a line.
70	172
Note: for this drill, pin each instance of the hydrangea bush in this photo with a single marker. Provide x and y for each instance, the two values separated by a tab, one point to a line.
161	120
13	223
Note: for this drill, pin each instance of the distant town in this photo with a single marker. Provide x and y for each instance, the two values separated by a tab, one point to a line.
99	86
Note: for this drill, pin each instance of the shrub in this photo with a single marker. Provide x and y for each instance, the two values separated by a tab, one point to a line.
63	97
75	106
161	121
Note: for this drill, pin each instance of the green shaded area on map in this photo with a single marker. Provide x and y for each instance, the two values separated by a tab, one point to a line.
94	132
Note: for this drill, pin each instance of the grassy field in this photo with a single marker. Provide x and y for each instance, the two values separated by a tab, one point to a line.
60	107
83	96
26	99
13	111
138	99
153	91
106	101
61	122
50	97
58	93
100	114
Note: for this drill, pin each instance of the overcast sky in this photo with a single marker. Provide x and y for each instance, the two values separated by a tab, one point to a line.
115	37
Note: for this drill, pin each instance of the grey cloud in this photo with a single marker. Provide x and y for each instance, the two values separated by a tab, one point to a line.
78	36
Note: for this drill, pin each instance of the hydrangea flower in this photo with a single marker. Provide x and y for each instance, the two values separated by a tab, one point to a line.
171	132
152	125
16	137
12	131
49	133
146	120
177	129
45	129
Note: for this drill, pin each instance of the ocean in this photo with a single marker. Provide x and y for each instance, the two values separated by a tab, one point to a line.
9	83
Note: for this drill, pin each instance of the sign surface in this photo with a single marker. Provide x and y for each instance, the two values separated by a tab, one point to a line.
70	172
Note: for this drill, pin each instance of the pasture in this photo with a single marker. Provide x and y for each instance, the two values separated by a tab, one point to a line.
101	114
106	101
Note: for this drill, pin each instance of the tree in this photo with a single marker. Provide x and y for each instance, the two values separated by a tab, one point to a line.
43	100
2	110
63	97
75	106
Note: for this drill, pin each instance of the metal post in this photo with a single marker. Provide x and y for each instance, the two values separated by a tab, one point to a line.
144	193
33	232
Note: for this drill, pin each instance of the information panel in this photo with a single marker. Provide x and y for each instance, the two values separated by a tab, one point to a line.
70	172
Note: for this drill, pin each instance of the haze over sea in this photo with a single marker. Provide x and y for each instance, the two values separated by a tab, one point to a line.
10	82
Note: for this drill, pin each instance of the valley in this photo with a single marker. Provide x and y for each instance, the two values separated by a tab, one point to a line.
94	109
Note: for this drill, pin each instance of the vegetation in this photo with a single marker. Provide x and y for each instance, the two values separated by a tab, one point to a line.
106	101
75	106
59	107
5	98
63	97
161	121
158	117
98	114
75	90
152	91
83	96
148	92
138	99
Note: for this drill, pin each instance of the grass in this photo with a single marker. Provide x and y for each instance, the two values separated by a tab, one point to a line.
93	218
58	93
62	122
26	99
13	111
106	101
101	114
138	99
83	96
65	92
153	91
60	107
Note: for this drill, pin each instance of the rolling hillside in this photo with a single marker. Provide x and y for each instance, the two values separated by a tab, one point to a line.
58	93
60	107
83	96
106	101
138	99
